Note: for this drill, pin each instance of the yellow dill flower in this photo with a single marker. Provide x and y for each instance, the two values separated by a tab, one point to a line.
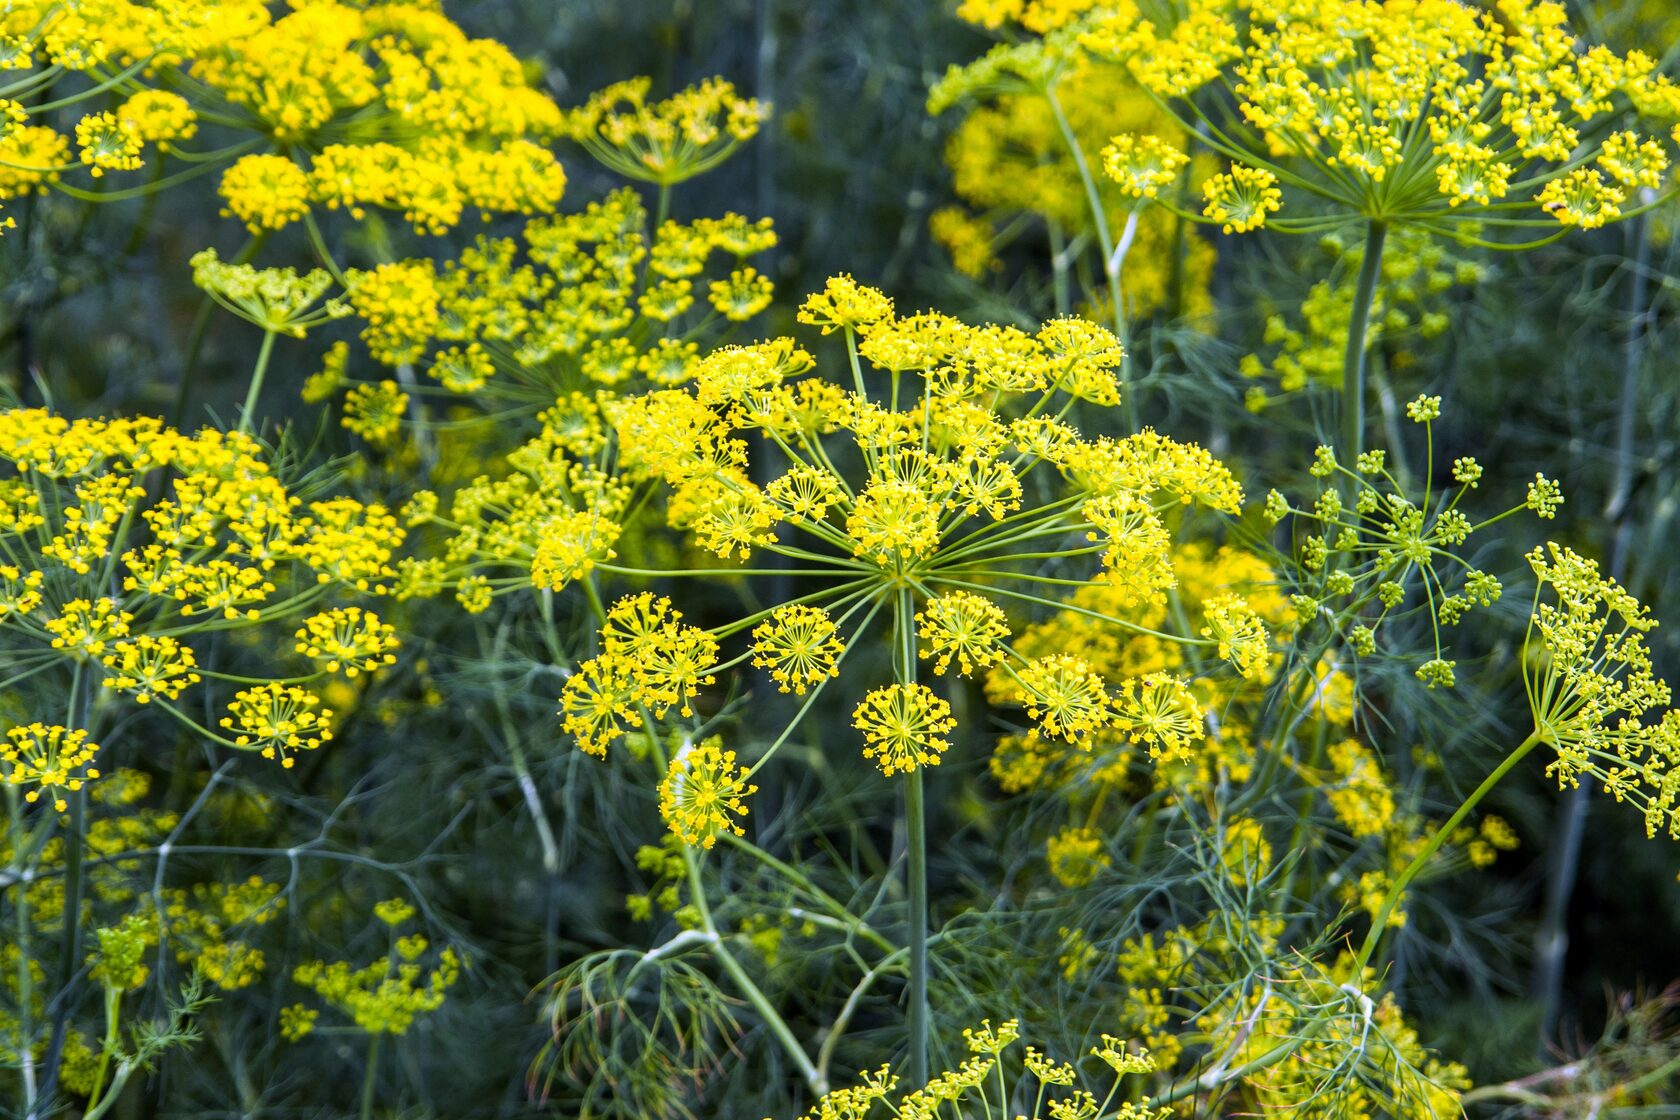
1241	635
894	522
1240	200
797	643
846	305
1159	711
667	661
1136	549
399	302
664	142
348	639
53	758
394	911
384	996
31	158
85	628
1077	856
964	627
474	594
597	703
462	369
1632	162
150	666
275	299
1066	696
350	542
277	720
266	192
375	411
20	591
159	117
904	727
1142	165
637	625
733	518
568	547
742	294
108	142
297	1021
703	793
1582	198
806	493
1592	689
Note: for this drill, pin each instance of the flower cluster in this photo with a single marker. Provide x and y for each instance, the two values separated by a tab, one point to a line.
991	1082
129	540
1037	112
371	105
931	532
1431	115
384	996
1595	698
1367	560
664	142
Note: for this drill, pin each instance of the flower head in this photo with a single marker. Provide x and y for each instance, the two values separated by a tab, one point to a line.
797	643
904	727
703	793
54	759
277	720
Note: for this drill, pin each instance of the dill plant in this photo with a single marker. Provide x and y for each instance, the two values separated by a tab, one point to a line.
1155	731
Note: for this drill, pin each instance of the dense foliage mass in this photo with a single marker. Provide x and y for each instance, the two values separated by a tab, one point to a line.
489	627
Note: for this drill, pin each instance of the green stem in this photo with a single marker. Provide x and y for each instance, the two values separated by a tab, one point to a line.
1059	267
755	996
25	979
1105	242
915	823
1354	364
370	1076
1392	899
63	1000
257	376
195	337
814	1079
113	1007
915	827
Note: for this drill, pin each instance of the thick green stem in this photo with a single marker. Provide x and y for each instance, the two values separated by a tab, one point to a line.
1354	363
915	827
63	1004
1392	899
25	979
915	823
1059	268
113	1011
370	1076
257	376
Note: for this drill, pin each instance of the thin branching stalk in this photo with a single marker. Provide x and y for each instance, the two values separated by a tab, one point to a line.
1379	921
